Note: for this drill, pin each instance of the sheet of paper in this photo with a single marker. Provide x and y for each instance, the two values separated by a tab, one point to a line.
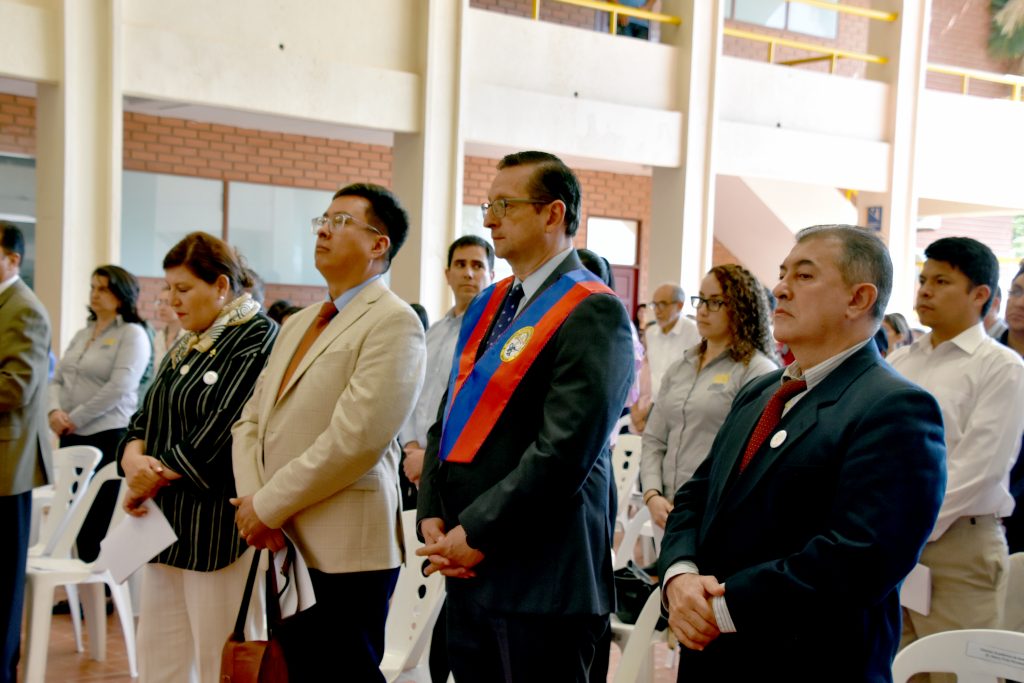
916	593
298	588
134	542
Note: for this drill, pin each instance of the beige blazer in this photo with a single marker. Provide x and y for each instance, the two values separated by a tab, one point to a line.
24	365
322	460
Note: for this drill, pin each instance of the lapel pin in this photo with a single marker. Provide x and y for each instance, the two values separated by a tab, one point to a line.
184	370
778	438
210	377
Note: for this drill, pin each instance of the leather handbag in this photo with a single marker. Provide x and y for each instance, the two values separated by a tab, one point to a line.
254	661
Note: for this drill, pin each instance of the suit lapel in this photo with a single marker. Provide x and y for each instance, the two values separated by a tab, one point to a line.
6	295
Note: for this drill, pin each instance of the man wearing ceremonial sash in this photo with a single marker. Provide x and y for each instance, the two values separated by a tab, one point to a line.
516	494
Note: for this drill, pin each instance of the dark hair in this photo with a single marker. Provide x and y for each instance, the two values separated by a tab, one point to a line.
257	289
551	180
598	265
421	313
13	241
970	257
385	213
748	313
125	289
277	310
209	257
290	311
472	241
898	323
864	258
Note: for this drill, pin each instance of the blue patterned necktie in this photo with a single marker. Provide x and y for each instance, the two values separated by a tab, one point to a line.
507	314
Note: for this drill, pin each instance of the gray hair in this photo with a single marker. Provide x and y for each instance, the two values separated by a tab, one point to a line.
864	258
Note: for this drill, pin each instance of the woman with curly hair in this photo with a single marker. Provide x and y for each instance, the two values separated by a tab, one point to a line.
697	390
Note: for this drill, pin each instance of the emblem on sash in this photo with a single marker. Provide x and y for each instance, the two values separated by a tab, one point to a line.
515	345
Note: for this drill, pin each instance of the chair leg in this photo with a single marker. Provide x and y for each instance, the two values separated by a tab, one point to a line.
39	603
75	606
95	619
123	602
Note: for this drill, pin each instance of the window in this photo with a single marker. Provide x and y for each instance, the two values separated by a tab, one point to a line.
473	224
158	210
784	15
18	205
613	238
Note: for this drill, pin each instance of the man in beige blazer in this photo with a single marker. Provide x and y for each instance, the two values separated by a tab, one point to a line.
315	453
24	348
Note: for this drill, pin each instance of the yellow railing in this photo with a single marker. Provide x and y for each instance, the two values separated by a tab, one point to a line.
865	12
614	10
1016	83
833	54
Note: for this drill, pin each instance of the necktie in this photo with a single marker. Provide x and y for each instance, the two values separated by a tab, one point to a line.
507	314
327	312
770	417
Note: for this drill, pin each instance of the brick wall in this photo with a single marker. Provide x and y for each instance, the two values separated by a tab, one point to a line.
555	12
959	37
17	124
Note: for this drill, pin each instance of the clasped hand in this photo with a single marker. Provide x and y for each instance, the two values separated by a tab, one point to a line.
145	475
689	608
252	529
448	553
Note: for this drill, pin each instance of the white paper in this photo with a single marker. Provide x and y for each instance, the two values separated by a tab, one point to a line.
916	593
298	588
134	542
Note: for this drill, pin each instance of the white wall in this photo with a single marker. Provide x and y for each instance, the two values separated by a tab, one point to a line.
29	40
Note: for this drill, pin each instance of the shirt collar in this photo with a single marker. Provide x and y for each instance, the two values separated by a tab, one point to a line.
535	279
816	375
676	328
968	341
349	294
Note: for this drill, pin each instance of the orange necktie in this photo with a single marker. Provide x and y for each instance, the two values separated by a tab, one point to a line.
319	324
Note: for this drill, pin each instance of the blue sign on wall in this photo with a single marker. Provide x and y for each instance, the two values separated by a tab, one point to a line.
875	218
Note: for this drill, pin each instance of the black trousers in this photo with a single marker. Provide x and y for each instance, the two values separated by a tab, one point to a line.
94	528
484	647
16	511
341	637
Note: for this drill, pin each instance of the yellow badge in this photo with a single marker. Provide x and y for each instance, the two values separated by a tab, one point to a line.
515	344
110	341
722	378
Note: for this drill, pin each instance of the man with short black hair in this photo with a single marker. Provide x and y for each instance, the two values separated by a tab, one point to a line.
980	387
24	442
315	451
783	555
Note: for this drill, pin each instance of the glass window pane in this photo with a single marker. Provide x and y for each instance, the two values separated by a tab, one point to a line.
18	206
157	210
813	21
770	13
473	224
270	226
613	238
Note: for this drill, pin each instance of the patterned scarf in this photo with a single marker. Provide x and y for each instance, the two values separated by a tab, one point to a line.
236	312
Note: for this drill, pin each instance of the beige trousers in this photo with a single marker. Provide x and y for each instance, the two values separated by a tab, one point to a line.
969	575
184	619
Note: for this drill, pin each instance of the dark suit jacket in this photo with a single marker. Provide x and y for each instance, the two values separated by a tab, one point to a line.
536	498
814	538
24	362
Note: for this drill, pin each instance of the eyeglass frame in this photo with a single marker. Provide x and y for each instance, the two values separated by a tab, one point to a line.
658	305
334	225
493	206
714	305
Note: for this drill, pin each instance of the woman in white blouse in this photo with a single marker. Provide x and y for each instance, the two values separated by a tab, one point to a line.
94	389
698	389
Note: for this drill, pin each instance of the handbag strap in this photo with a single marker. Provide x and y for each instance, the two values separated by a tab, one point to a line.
243	610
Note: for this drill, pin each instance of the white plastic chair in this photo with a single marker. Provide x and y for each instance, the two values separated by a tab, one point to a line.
639	526
626	470
44	574
635	665
1013	616
414	609
974	655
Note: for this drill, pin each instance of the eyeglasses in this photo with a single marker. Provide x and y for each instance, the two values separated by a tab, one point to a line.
337	222
499	206
658	305
714	305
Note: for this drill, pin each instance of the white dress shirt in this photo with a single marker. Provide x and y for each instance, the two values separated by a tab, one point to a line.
441	339
979	384
664	349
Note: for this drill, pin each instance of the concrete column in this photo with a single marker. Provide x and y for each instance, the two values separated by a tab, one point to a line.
905	44
682	199
428	165
78	163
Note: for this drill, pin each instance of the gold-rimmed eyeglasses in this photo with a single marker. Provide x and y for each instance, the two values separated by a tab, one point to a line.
337	222
500	206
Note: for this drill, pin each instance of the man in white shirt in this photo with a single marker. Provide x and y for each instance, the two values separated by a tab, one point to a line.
979	384
668	340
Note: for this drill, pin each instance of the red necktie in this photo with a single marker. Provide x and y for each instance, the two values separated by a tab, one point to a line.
770	417
327	312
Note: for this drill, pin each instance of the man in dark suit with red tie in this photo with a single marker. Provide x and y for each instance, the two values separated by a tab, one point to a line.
783	556
515	498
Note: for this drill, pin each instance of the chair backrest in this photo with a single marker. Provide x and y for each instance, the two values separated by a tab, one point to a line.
73	469
638	646
416	603
626	467
64	541
974	655
630	535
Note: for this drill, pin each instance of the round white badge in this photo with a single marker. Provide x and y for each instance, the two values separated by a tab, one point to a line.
210	377
184	370
778	438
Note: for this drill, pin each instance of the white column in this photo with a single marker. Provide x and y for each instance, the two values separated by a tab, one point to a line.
905	44
78	162
682	199
427	168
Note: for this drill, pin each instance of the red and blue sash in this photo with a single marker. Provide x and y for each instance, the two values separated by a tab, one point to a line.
479	389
